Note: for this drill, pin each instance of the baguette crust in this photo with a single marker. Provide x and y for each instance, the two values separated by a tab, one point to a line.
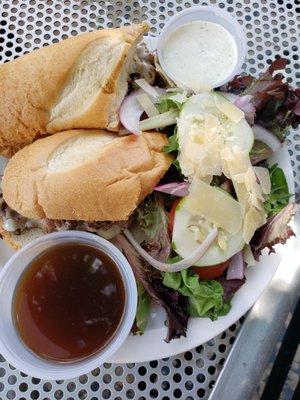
84	175
77	83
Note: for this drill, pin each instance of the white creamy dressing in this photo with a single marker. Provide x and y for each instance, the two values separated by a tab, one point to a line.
199	55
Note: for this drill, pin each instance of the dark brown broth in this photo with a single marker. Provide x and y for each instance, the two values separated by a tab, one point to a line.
69	302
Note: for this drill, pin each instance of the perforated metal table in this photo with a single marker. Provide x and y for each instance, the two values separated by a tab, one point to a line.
272	29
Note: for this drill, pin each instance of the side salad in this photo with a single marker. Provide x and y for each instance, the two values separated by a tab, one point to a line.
221	202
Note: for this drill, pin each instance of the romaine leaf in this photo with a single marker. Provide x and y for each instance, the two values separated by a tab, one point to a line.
177	165
279	195
171	101
172	280
173	144
143	310
205	298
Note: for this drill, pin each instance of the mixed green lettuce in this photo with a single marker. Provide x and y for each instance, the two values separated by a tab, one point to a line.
171	101
269	102
152	219
275	230
259	152
143	310
173	143
276	103
151	280
279	195
205	298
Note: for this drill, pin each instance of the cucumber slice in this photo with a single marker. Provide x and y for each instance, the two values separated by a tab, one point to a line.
184	242
240	133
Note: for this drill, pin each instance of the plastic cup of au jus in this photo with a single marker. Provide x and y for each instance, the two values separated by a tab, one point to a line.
209	14
12	346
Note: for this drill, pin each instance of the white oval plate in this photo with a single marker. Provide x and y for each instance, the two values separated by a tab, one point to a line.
151	345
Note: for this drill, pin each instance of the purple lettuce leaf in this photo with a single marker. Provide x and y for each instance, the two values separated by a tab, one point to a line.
276	103
230	286
152	219
259	152
234	277
275	230
245	104
238	84
172	301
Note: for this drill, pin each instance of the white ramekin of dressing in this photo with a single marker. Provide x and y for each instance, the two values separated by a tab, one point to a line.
201	48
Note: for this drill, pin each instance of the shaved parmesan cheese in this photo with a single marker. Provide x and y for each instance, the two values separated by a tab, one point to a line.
248	190
252	221
180	97
147	104
250	179
231	111
214	138
143	84
200	149
253	188
248	256
239	178
215	205
226	153
237	165
263	176
203	132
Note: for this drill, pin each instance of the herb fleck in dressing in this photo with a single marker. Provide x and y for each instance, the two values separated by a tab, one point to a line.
200	55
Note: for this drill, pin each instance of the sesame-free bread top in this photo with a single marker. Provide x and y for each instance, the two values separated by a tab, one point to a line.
77	83
84	175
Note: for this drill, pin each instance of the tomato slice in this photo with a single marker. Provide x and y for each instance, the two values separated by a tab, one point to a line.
172	216
211	272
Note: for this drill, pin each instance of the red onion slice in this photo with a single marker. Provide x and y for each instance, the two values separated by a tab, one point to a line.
179	266
147	88
236	269
180	189
230	96
131	112
267	137
245	104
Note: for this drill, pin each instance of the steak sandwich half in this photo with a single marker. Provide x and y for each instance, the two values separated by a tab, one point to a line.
77	83
79	179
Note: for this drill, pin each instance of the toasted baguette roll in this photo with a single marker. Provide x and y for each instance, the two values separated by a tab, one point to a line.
77	83
84	175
